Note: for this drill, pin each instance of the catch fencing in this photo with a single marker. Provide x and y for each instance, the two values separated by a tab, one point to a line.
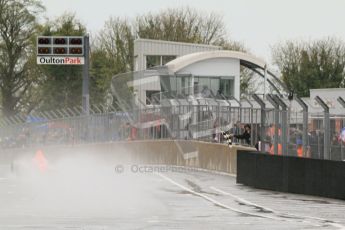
275	127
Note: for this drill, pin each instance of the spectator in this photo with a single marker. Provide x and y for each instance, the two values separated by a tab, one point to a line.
245	135
335	148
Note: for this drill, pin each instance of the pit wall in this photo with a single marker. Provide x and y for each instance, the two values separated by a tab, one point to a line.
307	176
204	155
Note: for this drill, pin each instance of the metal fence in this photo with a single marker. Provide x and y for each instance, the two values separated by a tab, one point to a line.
275	129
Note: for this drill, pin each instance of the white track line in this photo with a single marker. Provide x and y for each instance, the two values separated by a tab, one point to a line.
339	226
215	201
241	199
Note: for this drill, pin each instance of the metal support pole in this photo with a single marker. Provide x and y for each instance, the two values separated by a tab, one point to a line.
13	121
86	96
219	120
85	89
229	103
251	121
276	122
218	111
60	113
305	124
178	120
240	107
262	121
8	122
271	84
18	121
326	124
47	114
342	102
284	123
65	113
265	81
71	111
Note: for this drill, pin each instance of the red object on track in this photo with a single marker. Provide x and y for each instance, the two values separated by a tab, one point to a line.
40	160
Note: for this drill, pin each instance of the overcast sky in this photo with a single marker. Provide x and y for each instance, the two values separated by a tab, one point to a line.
258	24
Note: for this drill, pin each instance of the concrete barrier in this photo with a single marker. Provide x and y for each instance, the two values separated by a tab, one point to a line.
292	174
211	156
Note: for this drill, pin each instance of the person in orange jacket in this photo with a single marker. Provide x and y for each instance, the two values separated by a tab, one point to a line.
280	149
299	148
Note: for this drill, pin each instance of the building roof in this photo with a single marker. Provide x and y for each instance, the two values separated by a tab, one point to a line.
140	40
186	60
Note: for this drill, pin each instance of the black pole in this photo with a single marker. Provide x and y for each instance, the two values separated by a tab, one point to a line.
85	95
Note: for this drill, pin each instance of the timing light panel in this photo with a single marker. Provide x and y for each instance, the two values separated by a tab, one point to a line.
60	45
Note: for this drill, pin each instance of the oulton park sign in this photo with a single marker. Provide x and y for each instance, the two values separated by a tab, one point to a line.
52	60
60	50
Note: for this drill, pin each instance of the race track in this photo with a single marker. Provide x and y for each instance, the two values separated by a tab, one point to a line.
129	196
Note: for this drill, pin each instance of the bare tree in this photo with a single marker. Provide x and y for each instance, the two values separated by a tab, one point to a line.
112	53
116	39
181	25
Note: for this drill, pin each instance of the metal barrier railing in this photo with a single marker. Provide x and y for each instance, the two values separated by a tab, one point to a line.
274	129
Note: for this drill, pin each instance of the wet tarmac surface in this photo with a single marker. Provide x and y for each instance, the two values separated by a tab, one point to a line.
168	198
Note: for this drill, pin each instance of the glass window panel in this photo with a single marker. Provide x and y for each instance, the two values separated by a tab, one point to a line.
227	87
152	97
196	85
183	84
204	86
214	87
173	84
166	59
165	83
178	84
152	60
204	81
